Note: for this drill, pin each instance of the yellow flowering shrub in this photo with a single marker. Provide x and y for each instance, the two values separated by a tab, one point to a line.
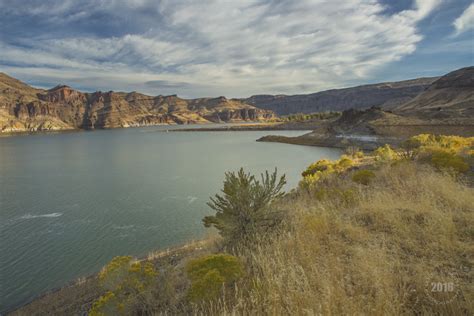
426	143
451	153
125	279
325	166
322	169
385	153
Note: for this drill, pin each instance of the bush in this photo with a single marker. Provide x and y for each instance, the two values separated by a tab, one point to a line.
385	153
429	142
343	163
448	161
126	281
324	166
309	181
363	176
320	165
322	169
210	273
244	209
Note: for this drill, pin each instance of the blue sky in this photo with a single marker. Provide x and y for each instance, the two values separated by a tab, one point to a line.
197	48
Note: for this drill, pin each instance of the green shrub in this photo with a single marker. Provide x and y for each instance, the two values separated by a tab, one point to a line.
363	176
244	208
210	273
449	161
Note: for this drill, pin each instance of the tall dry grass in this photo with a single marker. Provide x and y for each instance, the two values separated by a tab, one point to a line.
350	249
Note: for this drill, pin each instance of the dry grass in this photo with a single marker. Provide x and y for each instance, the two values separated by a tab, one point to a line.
344	249
365	250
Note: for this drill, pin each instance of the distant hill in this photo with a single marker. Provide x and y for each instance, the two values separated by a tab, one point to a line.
24	108
448	101
387	95
446	107
451	95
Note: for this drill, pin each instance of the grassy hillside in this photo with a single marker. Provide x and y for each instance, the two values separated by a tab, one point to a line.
389	233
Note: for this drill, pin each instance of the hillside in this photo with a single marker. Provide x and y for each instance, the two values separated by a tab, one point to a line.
24	108
387	95
445	107
451	95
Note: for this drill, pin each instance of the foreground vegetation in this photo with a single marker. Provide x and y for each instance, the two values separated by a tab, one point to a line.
385	233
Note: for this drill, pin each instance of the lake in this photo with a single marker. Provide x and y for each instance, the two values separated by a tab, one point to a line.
70	202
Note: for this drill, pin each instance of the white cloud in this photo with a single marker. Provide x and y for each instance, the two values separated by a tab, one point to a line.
425	7
236	48
465	21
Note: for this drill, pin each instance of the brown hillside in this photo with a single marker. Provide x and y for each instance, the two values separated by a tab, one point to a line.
450	96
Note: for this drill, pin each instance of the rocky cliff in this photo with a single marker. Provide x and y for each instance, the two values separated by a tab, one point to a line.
24	108
387	95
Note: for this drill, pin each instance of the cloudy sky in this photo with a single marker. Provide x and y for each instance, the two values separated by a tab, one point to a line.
227	47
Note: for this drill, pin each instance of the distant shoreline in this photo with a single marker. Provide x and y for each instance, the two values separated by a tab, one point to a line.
173	127
247	127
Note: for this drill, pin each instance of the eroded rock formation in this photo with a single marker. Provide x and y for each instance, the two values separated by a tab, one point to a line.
24	108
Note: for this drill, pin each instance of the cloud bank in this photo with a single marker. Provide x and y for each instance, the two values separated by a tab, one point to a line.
197	48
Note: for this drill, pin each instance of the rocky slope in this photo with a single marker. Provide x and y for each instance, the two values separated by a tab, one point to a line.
387	95
24	108
450	96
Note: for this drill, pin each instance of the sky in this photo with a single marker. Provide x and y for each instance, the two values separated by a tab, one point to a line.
197	48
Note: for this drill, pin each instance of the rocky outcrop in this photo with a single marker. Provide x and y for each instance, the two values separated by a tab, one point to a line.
24	108
248	114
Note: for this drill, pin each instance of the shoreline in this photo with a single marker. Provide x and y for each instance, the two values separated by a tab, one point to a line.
88	289
73	130
332	141
252	127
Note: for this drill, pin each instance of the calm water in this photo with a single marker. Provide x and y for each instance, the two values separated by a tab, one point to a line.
70	202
